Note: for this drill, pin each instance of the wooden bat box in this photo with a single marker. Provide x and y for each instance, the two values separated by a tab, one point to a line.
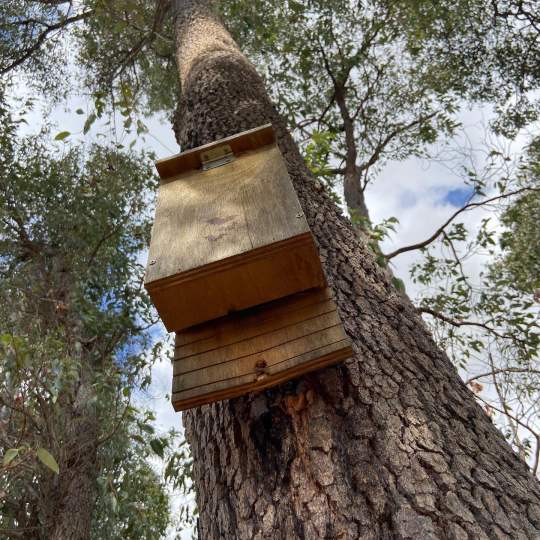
257	348
229	232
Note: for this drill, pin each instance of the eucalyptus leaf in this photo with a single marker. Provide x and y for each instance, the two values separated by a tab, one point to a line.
47	459
88	123
10	455
62	135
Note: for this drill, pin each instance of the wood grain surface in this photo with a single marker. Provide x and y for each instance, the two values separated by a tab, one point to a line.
257	348
227	239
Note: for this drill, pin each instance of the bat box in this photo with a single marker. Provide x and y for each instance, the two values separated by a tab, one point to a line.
229	232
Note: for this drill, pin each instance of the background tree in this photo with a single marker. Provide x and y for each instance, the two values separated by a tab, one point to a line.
490	324
342	73
73	344
489	51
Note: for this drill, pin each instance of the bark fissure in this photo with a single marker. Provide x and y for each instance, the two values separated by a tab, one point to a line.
390	444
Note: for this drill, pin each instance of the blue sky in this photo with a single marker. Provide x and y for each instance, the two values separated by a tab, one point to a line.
458	197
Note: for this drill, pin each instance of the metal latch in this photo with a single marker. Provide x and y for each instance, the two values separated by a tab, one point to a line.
217	156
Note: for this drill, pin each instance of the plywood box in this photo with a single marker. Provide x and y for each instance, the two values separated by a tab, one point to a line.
257	348
230	237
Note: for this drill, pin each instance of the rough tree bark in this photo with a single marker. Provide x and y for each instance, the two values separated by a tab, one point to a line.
390	444
72	497
68	499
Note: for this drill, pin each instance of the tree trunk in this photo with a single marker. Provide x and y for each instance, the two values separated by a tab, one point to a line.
72	518
352	190
390	444
71	496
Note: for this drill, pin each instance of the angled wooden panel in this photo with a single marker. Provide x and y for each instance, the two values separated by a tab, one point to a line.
208	216
258	348
241	385
227	239
289	340
192	159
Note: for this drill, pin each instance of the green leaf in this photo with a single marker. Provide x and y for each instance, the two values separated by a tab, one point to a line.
157	447
62	135
88	124
138	438
10	455
146	427
398	284
46	458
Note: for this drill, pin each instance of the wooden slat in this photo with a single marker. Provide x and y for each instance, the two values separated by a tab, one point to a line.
252	318
302	350
257	348
273	326
290	338
191	159
238	386
243	328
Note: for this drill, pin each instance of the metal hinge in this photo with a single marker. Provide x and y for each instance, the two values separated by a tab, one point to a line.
216	157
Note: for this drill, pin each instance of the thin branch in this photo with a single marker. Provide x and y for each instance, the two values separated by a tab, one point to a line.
28	52
459	322
327	108
102	440
506	408
54	2
468	206
140	329
523	425
458	261
502	370
162	8
382	144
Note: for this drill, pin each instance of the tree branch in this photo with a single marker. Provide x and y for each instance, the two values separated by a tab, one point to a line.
376	154
502	370
459	322
29	51
439	231
159	15
534	468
